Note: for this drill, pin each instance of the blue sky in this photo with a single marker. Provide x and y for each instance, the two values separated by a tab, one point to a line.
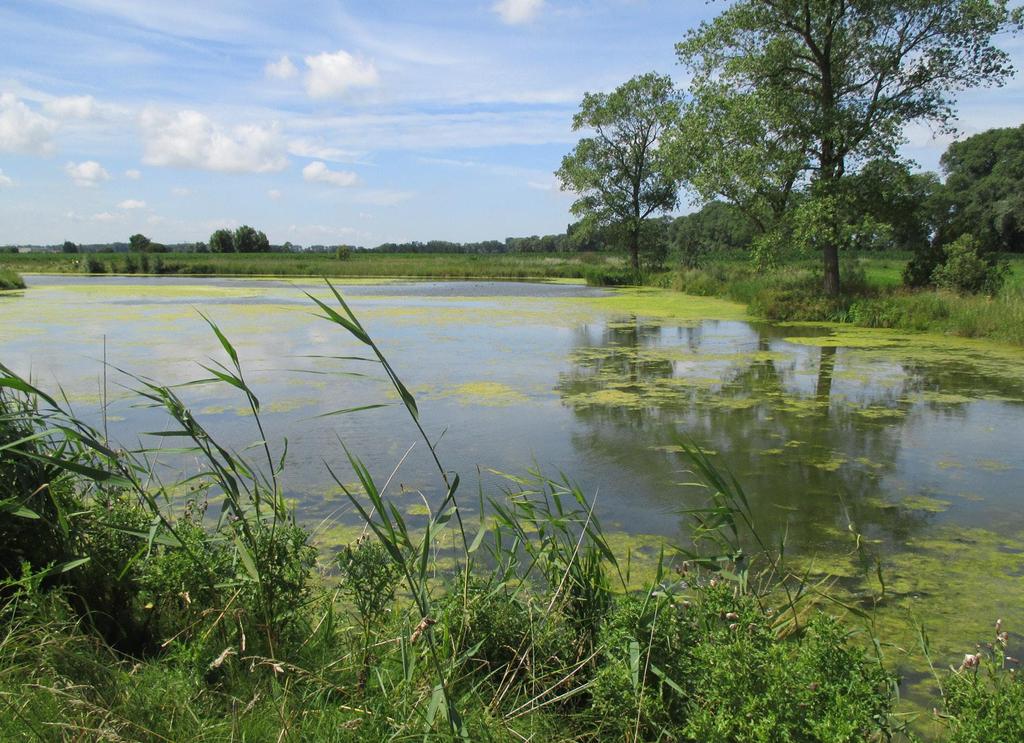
324	122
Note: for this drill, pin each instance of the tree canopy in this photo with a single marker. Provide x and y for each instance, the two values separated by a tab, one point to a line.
622	174
139	243
985	181
837	81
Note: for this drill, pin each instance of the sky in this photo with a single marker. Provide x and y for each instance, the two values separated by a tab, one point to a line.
326	122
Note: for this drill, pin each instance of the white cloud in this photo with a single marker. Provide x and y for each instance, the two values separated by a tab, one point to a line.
104	217
190	139
518	11
181	191
274	194
22	130
319	151
132	204
331	75
72	107
133	174
282	69
318	172
89	173
5	181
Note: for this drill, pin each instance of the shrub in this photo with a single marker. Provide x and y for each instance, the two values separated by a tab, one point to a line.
94	265
10	280
710	667
343	253
919	269
967	271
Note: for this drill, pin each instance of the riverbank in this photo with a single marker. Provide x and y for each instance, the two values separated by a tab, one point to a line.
315	265
10	280
874	296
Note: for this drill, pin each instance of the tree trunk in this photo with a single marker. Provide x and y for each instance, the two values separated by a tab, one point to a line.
634	250
832	270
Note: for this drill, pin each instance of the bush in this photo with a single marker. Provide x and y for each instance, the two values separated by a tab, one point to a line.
710	667
94	265
10	280
343	253
919	269
967	271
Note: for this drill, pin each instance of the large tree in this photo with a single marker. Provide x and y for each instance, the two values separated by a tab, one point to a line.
985	183
622	174
139	243
842	78
250	240
221	241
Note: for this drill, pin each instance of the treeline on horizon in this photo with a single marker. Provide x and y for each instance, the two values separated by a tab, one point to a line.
980	194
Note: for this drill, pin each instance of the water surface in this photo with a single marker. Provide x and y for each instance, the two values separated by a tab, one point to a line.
914	442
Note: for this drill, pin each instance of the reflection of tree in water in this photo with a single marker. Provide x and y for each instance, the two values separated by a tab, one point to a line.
806	456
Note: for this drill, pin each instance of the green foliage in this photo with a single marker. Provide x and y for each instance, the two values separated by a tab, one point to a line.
811	87
94	265
10	280
139	243
130	264
913	206
967	271
343	252
718	227
247	239
622	173
69	247
704	664
222	241
369	577
985	180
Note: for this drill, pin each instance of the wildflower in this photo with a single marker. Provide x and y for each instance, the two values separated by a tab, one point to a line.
970	661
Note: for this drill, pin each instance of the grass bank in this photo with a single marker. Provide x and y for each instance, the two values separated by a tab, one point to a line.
873	297
134	612
10	280
382	265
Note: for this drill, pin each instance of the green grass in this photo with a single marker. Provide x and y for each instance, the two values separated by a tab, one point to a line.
359	265
873	297
130	614
10	280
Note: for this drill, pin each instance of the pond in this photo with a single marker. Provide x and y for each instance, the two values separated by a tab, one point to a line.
912	441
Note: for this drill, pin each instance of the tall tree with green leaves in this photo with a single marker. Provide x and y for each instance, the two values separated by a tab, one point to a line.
139	243
985	183
250	240
622	173
842	78
221	241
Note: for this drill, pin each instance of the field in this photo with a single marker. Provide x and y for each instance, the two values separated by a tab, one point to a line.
386	265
